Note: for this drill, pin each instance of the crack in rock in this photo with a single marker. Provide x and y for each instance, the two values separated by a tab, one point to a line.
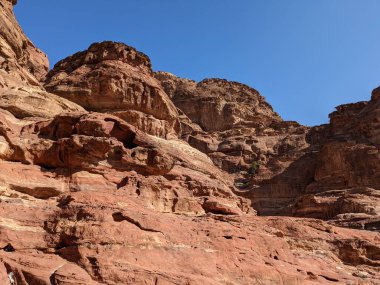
119	217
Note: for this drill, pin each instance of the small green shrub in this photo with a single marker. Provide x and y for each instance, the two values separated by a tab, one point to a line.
242	184
254	167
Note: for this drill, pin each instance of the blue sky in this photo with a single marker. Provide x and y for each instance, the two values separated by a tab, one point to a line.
304	56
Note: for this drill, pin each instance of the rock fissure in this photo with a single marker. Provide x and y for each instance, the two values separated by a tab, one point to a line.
119	217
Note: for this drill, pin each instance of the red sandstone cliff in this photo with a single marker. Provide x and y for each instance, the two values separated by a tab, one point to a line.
111	173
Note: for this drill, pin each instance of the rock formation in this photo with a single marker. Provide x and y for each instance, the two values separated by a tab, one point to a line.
115	78
22	68
111	173
327	172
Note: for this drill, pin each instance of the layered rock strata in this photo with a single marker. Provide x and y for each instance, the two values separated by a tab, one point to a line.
127	176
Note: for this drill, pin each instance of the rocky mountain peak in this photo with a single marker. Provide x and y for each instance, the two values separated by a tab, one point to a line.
13	2
218	104
115	78
102	52
376	94
18	54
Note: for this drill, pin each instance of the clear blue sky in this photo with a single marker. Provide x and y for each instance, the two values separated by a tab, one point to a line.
304	56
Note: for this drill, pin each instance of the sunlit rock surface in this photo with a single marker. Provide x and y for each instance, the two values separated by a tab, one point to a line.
122	175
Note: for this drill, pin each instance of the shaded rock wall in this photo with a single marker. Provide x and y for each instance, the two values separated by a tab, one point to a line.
283	167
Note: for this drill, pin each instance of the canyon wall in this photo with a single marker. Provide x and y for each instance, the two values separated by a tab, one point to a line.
112	173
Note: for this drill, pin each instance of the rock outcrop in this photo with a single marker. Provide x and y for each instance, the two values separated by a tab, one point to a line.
217	104
20	59
115	78
241	133
23	66
129	176
346	182
327	172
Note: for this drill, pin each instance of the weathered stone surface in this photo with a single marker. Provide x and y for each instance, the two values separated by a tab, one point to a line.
285	168
115	78
97	151
349	164
234	125
18	56
336	177
98	198
113	223
37	268
32	102
30	180
22	66
116	240
217	104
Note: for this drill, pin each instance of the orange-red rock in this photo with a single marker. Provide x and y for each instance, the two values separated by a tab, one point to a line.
22	67
159	183
115	78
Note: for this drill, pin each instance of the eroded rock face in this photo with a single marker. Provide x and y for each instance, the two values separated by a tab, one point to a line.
19	57
115	78
283	167
217	104
22	68
336	175
93	151
117	240
348	163
241	133
113	196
